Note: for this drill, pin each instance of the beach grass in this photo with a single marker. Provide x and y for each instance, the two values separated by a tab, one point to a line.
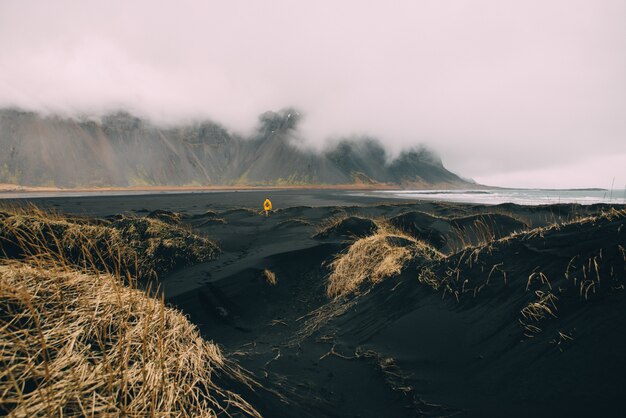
270	277
78	338
140	247
371	259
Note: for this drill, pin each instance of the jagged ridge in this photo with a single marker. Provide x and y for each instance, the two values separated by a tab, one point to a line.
124	150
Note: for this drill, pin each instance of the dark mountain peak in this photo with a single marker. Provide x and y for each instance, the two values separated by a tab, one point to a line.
279	122
205	132
351	154
122	121
122	149
361	145
12	112
420	155
421	166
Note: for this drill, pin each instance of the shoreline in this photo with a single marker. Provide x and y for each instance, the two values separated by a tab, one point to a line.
479	194
16	188
8	190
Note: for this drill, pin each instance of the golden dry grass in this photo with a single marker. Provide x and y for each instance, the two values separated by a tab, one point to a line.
140	246
351	226
77	339
324	226
461	237
77	344
610	214
270	277
371	259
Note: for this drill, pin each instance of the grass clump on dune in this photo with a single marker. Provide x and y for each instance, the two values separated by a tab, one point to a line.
371	259
77	344
345	226
140	246
164	247
552	271
270	277
78	339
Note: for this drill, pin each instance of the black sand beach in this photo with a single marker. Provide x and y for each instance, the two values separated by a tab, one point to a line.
520	311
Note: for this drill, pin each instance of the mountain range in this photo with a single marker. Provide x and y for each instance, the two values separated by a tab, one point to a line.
121	149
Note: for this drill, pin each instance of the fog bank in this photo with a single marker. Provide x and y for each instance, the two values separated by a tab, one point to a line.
525	94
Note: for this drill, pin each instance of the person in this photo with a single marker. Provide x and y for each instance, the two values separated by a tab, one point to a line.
267	206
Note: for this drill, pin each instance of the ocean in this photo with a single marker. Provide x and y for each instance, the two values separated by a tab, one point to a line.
517	196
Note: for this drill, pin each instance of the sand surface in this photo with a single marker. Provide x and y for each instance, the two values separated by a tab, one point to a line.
402	349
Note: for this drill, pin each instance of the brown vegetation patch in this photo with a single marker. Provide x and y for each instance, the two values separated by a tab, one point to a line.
76	344
270	277
345	226
371	259
139	246
553	271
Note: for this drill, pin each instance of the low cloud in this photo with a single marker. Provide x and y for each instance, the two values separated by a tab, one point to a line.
500	90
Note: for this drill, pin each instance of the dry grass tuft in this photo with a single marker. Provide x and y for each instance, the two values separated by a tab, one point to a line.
270	277
374	258
77	339
293	222
138	246
346	225
481	232
326	225
78	344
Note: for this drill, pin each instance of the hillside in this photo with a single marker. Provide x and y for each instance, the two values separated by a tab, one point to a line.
123	150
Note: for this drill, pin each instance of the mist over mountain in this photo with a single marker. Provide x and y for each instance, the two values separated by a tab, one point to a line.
121	149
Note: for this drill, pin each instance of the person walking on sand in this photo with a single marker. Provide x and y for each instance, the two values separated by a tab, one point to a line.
267	206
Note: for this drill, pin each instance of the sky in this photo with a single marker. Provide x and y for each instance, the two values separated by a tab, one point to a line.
511	93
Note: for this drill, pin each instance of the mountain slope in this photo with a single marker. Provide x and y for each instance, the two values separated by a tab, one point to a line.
124	150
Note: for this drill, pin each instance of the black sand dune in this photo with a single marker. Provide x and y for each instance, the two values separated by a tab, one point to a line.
346	227
448	234
528	324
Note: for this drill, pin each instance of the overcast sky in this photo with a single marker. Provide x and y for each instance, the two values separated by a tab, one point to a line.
512	93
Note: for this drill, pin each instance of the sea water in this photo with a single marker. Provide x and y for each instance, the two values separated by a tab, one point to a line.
518	196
